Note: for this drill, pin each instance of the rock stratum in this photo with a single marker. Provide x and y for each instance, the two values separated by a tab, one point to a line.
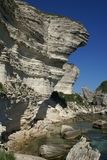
34	49
83	150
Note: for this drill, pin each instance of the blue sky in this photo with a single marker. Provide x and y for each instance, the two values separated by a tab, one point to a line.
91	59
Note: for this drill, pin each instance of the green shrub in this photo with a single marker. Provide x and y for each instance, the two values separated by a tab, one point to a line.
102	87
2	89
72	98
4	155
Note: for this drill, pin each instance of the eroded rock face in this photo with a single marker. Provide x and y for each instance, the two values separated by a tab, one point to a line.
33	51
70	76
87	94
100	99
97	100
52	152
83	150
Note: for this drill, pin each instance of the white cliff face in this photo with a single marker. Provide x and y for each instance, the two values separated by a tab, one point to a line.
34	47
65	85
37	44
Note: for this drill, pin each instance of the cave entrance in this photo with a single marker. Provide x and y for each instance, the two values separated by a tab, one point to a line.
58	99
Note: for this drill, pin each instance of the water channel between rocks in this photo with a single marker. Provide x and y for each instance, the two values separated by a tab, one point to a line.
97	137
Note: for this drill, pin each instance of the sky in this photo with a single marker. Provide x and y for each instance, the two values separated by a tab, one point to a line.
91	59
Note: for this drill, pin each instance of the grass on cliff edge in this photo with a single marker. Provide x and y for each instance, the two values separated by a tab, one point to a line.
72	98
4	155
2	89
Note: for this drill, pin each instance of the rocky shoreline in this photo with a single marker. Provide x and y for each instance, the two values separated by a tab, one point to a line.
36	82
54	130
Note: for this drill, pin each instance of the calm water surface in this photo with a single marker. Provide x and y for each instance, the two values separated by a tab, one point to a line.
97	137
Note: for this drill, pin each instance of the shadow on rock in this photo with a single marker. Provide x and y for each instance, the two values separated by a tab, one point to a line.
51	102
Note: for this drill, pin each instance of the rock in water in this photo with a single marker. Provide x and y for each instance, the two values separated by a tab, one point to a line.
66	128
101	124
68	132
72	134
34	47
83	151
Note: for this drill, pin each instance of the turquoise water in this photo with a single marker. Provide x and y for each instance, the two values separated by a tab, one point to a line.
97	137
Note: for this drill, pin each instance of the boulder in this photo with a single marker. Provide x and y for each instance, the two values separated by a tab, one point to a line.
100	124
83	151
52	152
68	132
66	128
72	134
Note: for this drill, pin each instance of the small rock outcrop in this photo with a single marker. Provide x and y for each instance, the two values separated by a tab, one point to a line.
100	99
100	124
97	100
82	150
68	132
87	94
34	48
66	128
72	134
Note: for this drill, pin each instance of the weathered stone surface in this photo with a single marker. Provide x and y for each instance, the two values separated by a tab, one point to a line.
87	94
66	128
105	99
72	134
38	44
40	129
82	150
52	152
34	47
68	132
27	157
100	99
70	76
101	124
97	100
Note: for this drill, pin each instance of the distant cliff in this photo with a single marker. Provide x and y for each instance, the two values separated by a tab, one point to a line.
34	48
97	99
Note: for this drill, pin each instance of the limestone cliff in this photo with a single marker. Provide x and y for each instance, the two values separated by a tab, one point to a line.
34	48
65	85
